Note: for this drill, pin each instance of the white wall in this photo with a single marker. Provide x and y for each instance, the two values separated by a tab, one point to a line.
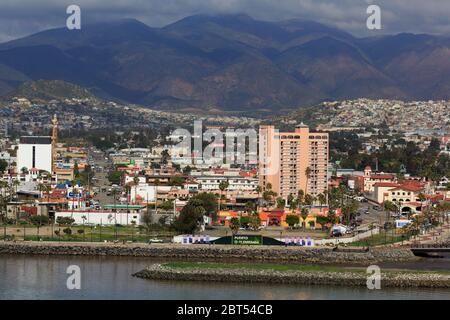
146	192
360	236
101	217
43	157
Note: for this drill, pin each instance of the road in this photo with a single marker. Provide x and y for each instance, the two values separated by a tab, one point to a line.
374	216
102	165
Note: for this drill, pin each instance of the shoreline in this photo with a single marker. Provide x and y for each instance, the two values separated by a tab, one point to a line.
391	279
283	255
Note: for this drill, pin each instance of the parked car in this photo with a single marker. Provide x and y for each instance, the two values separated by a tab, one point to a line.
336	233
154	240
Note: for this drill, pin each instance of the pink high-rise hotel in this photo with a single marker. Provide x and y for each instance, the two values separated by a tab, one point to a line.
286	158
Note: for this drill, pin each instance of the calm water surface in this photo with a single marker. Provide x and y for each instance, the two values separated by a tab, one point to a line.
43	277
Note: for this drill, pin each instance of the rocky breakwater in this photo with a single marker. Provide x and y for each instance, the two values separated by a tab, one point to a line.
211	252
248	275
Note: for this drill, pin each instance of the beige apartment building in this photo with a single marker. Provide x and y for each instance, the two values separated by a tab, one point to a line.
287	157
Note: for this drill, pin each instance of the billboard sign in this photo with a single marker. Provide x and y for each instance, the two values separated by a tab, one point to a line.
247	240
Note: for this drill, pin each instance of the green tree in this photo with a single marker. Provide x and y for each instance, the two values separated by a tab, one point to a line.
280	203
390	207
255	221
3	165
165	156
115	177
176	181
331	217
301	197
209	203
323	221
65	221
349	211
234	225
292	220
167	205
309	199
245	221
190	218
250	207
322	198
39	220
187	170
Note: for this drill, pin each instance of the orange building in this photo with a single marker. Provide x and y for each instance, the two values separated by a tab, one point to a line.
293	161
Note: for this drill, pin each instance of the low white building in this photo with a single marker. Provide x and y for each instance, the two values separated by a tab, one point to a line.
6	156
142	193
211	183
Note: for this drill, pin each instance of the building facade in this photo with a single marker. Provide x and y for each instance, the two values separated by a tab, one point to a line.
35	153
293	161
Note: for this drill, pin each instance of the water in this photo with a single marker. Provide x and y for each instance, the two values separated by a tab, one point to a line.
43	277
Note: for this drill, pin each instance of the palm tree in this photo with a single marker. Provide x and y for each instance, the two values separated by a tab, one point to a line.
422	198
136	183
234	225
157	182
390	207
44	188
308	175
250	207
293	206
309	199
349	211
258	189
14	186
322	199
314	199
300	197
280	203
304	214
223	185
3	187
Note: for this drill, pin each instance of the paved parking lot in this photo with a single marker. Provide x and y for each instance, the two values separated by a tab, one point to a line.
374	216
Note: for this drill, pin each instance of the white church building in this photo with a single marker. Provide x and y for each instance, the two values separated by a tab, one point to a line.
35	153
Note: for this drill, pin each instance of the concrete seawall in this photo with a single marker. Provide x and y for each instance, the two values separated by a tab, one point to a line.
352	279
210	252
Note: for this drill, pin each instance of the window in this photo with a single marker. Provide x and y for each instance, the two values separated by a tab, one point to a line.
34	157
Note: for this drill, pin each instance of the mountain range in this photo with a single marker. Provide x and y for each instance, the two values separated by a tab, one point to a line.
44	91
230	63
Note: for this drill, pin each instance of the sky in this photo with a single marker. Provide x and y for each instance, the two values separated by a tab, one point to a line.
23	17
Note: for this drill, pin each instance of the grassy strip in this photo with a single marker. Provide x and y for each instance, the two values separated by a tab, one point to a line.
261	266
290	267
377	240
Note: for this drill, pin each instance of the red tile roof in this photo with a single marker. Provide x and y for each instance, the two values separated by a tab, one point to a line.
382	176
386	184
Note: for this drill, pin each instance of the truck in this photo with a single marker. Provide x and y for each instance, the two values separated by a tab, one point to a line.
338	230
